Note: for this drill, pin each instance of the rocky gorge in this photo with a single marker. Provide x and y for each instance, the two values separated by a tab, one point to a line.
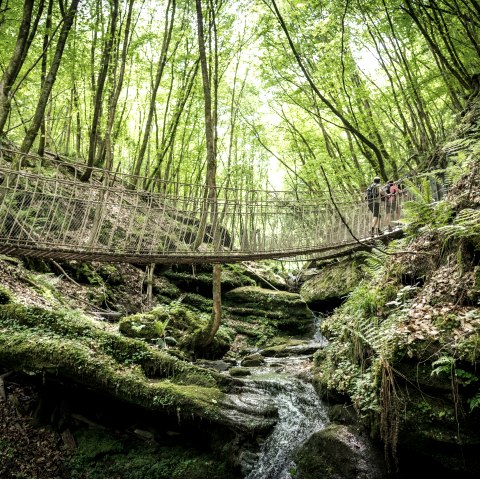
365	366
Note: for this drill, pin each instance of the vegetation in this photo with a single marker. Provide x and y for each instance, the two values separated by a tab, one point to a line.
125	85
258	95
413	324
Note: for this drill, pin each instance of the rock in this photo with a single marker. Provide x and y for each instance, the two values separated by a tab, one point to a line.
339	452
263	312
218	365
334	280
238	372
253	360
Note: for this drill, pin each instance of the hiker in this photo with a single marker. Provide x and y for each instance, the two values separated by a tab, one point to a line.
392	192
373	197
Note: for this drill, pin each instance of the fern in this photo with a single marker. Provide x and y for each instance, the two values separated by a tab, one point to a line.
465	226
474	402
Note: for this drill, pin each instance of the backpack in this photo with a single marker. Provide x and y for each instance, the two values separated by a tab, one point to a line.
372	192
386	189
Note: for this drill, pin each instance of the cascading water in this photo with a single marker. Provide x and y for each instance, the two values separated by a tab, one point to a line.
300	414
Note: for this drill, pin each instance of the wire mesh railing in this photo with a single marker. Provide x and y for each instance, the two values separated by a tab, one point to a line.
51	212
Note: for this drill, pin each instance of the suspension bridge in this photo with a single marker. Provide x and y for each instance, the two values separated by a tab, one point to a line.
47	211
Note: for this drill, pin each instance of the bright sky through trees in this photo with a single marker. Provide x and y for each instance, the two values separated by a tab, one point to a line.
355	88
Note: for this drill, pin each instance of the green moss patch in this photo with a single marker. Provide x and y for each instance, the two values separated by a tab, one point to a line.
67	344
334	280
102	455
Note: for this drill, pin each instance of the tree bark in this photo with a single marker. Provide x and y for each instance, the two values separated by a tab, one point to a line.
50	78
16	62
210	188
46	41
98	104
161	66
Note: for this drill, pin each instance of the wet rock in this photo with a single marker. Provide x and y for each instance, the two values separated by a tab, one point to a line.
253	360
239	371
339	452
218	365
249	410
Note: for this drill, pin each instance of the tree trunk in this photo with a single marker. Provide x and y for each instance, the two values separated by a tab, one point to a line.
50	78
161	66
16	62
210	188
98	104
112	107
46	40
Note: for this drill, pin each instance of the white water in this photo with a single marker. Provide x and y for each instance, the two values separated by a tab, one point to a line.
300	414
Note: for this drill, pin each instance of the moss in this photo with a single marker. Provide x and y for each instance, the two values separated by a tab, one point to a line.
175	318
6	296
110	274
36	340
85	273
163	287
234	276
335	280
94	443
239	371
249	295
102	455
198	301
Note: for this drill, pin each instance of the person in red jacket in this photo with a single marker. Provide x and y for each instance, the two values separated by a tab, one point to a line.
393	193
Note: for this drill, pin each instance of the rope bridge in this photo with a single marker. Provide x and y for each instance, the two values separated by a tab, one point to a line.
47	211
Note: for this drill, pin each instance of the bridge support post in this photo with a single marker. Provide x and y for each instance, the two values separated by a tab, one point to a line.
149	280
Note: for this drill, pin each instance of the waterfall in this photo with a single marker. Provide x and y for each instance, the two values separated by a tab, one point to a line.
300	414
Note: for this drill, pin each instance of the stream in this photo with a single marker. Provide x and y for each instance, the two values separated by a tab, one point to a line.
300	414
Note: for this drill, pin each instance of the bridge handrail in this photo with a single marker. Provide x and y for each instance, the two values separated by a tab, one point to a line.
49	213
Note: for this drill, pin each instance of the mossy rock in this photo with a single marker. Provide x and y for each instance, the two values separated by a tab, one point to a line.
200	280
339	452
173	319
163	287
253	360
281	304
110	274
6	296
273	312
334	280
198	302
239	372
65	344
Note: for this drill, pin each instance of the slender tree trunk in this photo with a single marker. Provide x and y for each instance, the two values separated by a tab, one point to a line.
98	104
46	40
409	8
210	189
50	78
112	107
16	62
174	123
161	66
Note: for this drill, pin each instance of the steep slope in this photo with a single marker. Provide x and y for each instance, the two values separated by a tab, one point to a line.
404	349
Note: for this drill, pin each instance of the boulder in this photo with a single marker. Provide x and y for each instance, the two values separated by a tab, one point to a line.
339	452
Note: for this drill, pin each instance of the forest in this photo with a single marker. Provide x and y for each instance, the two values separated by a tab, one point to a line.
271	94
126	366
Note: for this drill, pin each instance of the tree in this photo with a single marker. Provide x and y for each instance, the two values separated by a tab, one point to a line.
100	85
167	36
210	187
24	39
50	78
